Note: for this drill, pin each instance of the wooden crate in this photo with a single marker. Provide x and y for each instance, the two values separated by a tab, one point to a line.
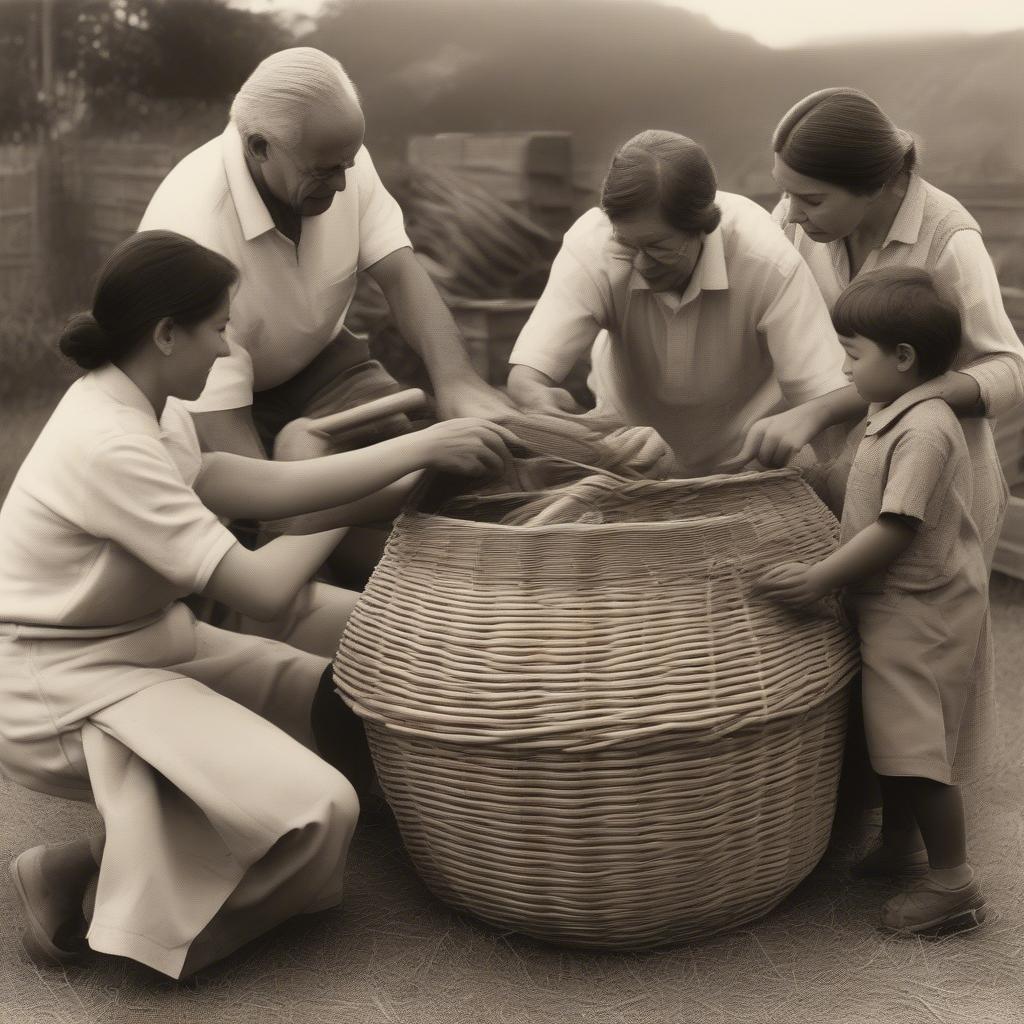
531	171
491	328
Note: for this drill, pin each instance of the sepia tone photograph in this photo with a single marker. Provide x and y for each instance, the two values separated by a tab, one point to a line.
495	492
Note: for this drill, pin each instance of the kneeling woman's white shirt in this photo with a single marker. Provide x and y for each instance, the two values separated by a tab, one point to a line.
102	530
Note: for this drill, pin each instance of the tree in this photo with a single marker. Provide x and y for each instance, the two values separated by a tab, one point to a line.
117	59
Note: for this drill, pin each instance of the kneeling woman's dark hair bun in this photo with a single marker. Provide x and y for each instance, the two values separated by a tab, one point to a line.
83	341
151	276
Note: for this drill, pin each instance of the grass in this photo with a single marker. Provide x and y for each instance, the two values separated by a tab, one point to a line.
33	376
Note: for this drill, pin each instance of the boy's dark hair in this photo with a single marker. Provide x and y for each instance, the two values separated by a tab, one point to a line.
901	305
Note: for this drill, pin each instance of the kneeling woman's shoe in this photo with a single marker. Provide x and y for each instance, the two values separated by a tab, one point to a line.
926	906
63	945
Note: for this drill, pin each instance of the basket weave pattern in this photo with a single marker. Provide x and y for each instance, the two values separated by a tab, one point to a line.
590	732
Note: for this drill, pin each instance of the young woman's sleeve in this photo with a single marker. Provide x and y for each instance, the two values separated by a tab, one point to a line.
991	351
131	494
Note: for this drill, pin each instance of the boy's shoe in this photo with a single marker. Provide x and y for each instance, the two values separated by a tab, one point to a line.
882	862
926	906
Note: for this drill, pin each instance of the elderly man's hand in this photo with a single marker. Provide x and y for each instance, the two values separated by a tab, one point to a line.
791	583
533	391
475	399
774	440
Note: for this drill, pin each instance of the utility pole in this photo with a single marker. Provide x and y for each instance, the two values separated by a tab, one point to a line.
46	194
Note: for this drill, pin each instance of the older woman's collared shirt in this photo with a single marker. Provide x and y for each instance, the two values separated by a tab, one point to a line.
748	336
291	300
990	351
101	529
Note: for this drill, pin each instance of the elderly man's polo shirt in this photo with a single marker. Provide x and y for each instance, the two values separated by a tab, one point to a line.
101	529
749	336
291	300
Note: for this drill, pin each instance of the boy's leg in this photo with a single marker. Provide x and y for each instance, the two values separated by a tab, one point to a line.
900	832
939	810
947	897
900	853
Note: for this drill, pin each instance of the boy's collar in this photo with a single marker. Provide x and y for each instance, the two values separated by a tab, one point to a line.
882	417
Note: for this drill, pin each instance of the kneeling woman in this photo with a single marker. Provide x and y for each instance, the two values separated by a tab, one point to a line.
194	742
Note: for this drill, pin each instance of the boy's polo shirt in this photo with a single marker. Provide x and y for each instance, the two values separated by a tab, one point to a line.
101	529
914	462
291	300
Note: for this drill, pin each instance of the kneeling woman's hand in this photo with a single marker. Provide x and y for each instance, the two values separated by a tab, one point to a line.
469	447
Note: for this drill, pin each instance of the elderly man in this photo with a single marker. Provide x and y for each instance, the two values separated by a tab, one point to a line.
289	193
708	327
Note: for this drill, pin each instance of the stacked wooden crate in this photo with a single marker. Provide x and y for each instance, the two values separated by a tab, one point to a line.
531	171
1009	433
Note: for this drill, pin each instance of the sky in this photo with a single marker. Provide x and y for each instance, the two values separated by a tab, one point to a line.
782	23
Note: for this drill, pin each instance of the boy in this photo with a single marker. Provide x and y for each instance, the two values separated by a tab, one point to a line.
912	566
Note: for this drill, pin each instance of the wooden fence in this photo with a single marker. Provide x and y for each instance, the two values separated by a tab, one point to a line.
108	185
20	219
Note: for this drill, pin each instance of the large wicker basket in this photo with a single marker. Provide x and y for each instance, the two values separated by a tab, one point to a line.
591	732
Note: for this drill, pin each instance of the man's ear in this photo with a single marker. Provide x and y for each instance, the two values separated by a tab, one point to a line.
163	335
906	357
257	147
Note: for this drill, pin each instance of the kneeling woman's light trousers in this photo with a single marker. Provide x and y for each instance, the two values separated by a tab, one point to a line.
194	743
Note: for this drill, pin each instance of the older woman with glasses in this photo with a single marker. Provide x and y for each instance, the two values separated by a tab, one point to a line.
700	318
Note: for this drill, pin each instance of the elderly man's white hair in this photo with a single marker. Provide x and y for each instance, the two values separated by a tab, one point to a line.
276	98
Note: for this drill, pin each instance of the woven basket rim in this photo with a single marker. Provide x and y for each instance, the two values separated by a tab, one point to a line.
698	483
754	673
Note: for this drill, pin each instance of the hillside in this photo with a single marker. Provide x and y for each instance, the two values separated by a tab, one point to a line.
604	69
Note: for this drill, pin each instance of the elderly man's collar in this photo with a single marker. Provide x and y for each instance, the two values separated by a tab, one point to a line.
253	215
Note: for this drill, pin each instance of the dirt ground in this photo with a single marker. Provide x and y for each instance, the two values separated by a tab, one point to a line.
394	954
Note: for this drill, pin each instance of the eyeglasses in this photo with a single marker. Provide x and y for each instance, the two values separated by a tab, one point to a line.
658	253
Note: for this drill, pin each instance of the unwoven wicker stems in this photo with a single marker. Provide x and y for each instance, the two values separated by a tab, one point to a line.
592	733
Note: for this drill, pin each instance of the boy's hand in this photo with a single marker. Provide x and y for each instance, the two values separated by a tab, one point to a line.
791	583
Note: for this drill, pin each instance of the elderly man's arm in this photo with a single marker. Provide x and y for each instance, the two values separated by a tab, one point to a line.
427	325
